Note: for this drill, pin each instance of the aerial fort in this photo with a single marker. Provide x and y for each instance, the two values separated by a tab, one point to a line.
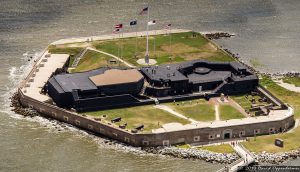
195	95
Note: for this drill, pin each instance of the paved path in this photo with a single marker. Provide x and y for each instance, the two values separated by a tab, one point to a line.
217	112
111	55
113	36
168	109
246	158
288	86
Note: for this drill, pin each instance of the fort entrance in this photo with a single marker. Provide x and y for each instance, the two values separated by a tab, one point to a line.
227	134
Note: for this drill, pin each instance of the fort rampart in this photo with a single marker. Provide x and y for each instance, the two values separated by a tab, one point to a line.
199	134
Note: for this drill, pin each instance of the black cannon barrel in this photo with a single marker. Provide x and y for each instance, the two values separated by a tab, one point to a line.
117	119
139	127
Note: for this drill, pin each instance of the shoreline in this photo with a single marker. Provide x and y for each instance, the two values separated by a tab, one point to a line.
208	156
175	152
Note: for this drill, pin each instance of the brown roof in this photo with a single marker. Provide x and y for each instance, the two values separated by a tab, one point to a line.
116	76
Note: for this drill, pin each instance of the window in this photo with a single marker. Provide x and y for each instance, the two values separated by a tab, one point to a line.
90	126
242	133
257	131
166	143
77	122
211	136
66	118
272	130
196	138
146	143
127	139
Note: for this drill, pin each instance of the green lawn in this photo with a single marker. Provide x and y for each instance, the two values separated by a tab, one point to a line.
201	111
183	47
72	51
292	80
222	148
228	112
151	117
93	60
291	140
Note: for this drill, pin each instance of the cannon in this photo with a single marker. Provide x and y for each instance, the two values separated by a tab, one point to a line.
139	127
117	119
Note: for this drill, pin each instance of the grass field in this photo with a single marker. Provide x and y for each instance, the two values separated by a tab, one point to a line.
72	51
151	117
228	112
183	47
222	148
291	140
201	111
292	80
93	60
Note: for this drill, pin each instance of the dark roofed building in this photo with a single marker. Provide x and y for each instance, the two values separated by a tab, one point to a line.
108	88
199	76
71	90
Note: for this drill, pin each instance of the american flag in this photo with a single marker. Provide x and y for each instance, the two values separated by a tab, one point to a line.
119	26
168	26
144	11
115	31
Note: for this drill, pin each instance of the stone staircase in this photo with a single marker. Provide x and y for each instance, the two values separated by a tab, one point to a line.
78	57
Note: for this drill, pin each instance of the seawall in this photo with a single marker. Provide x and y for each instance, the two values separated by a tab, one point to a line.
216	131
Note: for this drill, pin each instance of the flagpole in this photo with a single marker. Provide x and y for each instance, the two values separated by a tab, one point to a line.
170	42
154	54
136	40
147	43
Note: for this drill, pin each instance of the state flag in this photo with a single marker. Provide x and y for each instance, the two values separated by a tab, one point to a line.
168	26
134	22
153	22
116	31
119	26
144	11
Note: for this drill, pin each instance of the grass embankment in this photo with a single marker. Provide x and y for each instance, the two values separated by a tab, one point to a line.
228	112
72	51
291	140
199	110
184	46
222	148
292	80
93	60
151	117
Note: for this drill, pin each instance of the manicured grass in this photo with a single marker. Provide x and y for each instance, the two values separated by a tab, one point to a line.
223	148
292	80
93	60
290	97
184	146
72	51
183	47
228	112
291	140
151	117
201	111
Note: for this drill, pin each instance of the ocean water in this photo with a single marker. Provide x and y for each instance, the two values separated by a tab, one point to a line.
267	34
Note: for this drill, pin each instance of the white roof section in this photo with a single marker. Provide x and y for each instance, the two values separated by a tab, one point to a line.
44	69
275	115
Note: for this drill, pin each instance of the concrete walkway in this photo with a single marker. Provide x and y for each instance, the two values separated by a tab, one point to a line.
247	157
168	109
217	112
288	86
113	36
113	56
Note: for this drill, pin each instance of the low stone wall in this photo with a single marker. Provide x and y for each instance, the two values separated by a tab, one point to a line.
199	135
